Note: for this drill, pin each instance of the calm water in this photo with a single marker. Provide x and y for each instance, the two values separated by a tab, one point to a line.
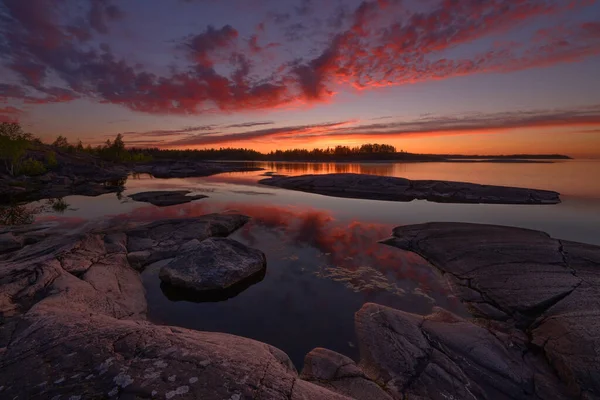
323	258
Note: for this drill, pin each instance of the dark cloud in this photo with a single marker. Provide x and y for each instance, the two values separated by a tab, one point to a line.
295	32
304	8
101	12
58	55
474	123
203	44
250	124
174	132
199	140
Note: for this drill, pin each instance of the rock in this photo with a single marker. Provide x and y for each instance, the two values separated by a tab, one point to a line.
62	353
523	281
165	239
73	325
9	242
399	189
442	356
339	373
183	169
216	264
166	198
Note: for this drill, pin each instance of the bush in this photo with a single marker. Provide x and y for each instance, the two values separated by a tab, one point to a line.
32	167
16	215
59	205
51	160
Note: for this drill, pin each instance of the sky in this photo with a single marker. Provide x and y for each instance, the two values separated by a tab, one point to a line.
427	76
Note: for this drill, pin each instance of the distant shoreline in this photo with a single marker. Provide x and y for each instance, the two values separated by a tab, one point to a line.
465	159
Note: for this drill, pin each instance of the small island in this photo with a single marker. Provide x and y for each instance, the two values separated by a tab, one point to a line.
374	187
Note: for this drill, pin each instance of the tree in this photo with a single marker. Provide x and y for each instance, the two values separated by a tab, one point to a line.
119	144
14	143
61	141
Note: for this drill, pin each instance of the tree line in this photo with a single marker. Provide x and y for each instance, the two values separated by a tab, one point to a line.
16	144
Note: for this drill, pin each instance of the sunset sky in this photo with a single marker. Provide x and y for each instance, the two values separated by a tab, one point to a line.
431	76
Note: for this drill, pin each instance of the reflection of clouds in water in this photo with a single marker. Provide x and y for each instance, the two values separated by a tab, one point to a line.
349	249
363	279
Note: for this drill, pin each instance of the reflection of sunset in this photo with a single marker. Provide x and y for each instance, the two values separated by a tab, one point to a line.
346	246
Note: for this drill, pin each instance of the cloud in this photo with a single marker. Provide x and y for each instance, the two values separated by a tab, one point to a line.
174	132
203	44
10	114
426	125
250	124
201	140
54	50
473	123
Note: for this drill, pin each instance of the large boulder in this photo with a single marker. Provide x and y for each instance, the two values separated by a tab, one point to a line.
339	373
214	264
57	352
525	284
441	356
166	239
164	198
400	189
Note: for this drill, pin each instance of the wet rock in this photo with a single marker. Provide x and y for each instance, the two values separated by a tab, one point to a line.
215	264
166	198
523	281
339	373
399	189
9	242
165	239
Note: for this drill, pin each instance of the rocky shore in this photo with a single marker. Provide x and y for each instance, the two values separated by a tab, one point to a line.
82	174
74	327
389	188
165	198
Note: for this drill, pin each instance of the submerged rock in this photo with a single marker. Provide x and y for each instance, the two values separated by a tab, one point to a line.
214	264
166	198
399	189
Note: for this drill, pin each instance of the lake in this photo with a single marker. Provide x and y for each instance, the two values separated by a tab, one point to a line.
323	257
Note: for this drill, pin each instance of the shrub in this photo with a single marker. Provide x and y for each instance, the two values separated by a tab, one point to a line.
59	205
16	215
51	160
32	167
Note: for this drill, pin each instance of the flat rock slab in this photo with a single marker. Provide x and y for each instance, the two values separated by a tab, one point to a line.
166	198
214	264
71	355
441	356
376	187
168	238
525	283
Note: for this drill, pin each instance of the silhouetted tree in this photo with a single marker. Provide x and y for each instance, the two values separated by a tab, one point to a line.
14	143
61	141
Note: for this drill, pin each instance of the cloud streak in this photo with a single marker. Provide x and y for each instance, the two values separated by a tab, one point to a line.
430	125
